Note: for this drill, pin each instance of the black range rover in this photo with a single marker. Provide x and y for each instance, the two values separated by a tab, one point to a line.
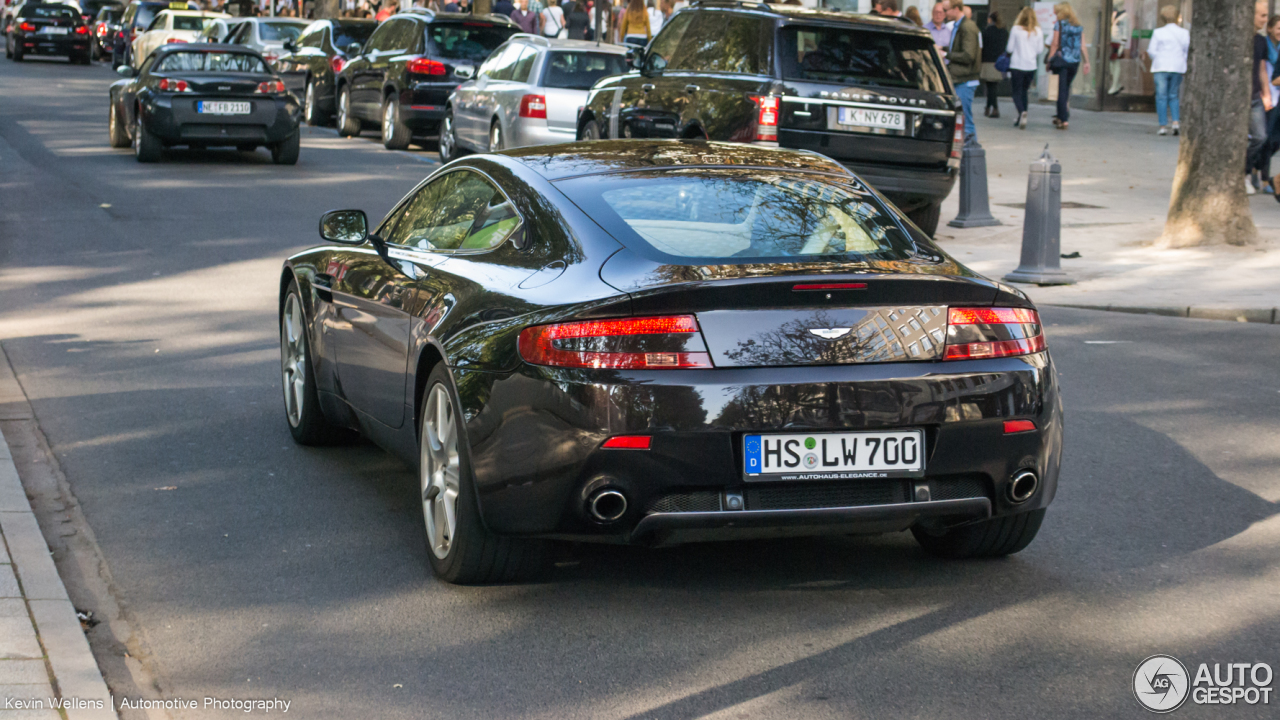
870	92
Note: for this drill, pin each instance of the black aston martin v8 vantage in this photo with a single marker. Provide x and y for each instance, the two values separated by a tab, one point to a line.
670	341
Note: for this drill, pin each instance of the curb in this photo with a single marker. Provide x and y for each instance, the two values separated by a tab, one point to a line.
70	664
1266	316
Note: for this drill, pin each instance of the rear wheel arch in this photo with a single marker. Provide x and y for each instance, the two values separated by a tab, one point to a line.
694	132
586	116
428	359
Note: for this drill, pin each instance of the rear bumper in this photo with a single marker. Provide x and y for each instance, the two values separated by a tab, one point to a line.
44	45
422	106
174	121
523	133
908	188
535	439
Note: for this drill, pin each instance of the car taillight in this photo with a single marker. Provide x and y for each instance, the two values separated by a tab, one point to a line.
423	66
102	29
766	117
168	85
628	442
629	343
27	27
992	332
270	87
336	64
533	106
172	41
82	30
957	140
270	57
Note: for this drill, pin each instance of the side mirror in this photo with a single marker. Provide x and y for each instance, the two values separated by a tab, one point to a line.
291	46
464	72
635	58
353	49
126	71
349	227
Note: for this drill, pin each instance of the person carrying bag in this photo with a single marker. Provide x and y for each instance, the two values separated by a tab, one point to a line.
553	22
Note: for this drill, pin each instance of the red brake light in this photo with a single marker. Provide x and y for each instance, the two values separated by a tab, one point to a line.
82	30
766	117
628	442
424	66
336	63
172	41
629	343
102	29
168	85
957	140
27	27
533	106
1018	426
829	286
270	87
992	332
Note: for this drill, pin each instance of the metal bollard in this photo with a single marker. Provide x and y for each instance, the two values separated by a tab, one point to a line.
1042	229
975	209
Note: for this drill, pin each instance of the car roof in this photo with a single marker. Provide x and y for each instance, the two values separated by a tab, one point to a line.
193	13
558	44
295	21
800	12
433	15
205	47
556	162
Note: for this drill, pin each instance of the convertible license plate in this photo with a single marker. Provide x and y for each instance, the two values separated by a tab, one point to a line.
864	117
222	107
834	456
50	30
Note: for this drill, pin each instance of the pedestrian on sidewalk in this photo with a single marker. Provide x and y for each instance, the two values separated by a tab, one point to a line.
1168	54
1259	103
633	29
994	40
1026	40
913	14
552	21
526	18
1065	57
964	61
939	28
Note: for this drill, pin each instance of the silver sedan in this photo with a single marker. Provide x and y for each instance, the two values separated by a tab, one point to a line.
527	93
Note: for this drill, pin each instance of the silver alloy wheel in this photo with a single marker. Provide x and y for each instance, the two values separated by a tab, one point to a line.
137	136
310	109
495	138
446	135
440	470
293	358
111	128
343	98
388	122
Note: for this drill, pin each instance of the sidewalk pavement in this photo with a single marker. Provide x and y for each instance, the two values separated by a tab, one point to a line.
1120	173
44	655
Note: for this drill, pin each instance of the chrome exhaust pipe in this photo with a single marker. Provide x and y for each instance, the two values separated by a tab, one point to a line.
1023	486
607	505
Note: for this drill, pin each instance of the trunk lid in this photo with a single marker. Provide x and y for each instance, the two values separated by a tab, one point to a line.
562	107
222	84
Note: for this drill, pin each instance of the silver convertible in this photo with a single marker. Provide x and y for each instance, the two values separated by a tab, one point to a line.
527	93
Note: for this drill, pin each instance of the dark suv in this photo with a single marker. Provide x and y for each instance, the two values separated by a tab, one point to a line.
869	92
137	16
402	78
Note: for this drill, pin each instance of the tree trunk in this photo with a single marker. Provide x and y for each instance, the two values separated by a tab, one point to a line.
1209	205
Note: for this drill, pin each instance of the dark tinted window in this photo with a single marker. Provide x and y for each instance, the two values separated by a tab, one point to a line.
724	42
344	35
50	12
198	61
580	70
720	214
109	15
849	56
471	41
278	31
187	22
664	46
146	13
460	211
520	73
381	38
503	64
312	36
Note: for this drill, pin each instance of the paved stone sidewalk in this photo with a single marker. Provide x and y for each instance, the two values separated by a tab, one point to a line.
43	651
1120	174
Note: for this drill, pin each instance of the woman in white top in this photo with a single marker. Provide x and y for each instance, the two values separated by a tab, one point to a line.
1026	42
553	21
1168	52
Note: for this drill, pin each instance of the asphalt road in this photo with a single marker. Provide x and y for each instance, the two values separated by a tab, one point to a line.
137	306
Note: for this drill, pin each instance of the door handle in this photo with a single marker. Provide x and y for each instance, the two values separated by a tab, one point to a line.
646	87
691	88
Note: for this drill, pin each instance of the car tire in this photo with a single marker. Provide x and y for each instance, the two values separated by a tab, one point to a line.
996	537
926	218
395	134
310	109
466	553
116	132
496	141
591	131
286	151
348	126
17	55
448	142
146	146
302	411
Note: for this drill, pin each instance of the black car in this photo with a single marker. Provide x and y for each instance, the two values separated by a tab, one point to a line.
137	17
867	91
204	95
48	29
664	341
402	78
89	9
311	63
103	30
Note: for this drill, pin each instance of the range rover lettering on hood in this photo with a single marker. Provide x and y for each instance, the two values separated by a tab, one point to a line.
869	97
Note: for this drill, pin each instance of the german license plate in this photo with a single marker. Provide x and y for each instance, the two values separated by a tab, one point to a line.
50	30
834	456
866	117
221	107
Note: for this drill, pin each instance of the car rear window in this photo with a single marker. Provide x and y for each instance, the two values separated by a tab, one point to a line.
189	22
724	215
213	62
280	31
344	35
579	70
851	56
472	41
56	12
